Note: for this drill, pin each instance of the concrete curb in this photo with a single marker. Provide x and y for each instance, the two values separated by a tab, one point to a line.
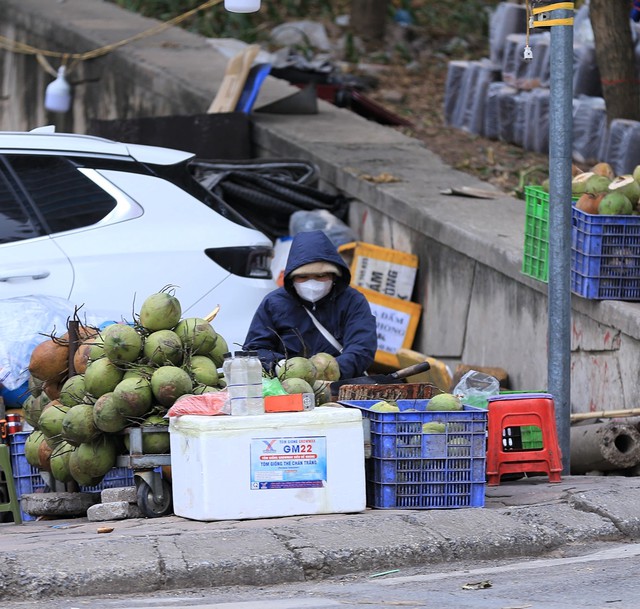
529	517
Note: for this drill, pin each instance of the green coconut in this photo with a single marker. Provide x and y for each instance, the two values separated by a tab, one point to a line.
164	347
106	415
297	367
32	408
50	421
93	459
322	391
627	186
433	427
384	406
35	386
160	311
327	367
614	203
139	371
102	376
197	335
218	351
596	183
32	446
78	425
200	389
154	442
133	397
73	391
168	383
444	401
96	350
59	462
122	343
204	370
296	385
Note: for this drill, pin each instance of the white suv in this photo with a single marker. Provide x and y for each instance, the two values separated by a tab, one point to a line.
105	224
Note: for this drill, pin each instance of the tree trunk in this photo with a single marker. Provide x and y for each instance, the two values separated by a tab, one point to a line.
615	57
368	19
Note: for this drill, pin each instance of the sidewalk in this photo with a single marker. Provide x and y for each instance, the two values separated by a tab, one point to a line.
527	517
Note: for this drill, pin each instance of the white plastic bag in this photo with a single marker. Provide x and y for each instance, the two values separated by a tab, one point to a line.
25	322
476	387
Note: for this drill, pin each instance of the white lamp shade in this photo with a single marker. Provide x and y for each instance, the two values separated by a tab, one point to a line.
242	6
57	97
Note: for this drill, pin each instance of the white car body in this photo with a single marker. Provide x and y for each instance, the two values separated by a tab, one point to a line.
153	233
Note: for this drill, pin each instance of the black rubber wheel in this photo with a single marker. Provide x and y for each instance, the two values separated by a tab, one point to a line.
147	502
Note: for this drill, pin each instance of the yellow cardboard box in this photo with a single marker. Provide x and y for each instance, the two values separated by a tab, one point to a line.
396	323
387	271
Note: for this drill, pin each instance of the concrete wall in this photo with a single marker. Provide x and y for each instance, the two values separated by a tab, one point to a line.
478	307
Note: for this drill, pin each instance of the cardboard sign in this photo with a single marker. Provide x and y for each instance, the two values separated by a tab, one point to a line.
396	324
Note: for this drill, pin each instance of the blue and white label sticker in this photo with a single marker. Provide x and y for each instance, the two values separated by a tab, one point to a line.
288	462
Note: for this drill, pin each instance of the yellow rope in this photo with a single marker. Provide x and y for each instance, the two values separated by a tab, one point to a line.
550	22
41	54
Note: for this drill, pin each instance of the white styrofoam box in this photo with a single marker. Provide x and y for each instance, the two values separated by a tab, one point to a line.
270	465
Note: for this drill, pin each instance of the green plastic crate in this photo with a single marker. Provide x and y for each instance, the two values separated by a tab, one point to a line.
535	258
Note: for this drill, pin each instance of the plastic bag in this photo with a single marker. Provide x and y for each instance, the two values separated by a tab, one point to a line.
321	219
272	387
476	387
206	404
25	322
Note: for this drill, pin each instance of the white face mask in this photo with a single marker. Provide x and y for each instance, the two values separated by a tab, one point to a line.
312	289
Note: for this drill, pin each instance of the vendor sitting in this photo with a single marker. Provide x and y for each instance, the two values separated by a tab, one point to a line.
315	311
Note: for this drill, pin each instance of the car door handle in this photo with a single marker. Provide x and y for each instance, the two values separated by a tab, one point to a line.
27	275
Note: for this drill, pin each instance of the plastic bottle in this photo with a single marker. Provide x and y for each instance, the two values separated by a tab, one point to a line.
238	384
255	399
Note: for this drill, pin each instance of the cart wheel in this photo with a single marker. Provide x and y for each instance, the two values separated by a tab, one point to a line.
148	504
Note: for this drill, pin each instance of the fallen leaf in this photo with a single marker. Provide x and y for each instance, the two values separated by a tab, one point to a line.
105	529
381	178
477	585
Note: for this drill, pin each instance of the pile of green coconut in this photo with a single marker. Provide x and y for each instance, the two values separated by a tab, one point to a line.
126	375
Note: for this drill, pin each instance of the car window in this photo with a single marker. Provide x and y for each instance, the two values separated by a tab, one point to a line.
15	223
64	198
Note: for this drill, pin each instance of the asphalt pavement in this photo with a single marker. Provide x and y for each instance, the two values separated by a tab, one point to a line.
521	518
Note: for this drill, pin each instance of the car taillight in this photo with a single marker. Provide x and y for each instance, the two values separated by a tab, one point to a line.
251	261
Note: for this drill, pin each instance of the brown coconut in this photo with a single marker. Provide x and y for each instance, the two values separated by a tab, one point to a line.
81	357
589	203
49	361
52	389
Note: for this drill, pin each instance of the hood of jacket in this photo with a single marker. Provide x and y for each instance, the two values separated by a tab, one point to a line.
314	246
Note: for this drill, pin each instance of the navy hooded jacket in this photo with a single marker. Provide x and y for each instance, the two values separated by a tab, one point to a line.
281	328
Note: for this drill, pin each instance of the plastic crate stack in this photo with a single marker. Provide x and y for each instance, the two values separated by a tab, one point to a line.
28	479
506	98
605	250
414	465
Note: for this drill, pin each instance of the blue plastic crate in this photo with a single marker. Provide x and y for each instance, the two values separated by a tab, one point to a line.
415	470
28	479
605	256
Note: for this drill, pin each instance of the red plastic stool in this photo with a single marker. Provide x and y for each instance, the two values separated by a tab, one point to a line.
521	410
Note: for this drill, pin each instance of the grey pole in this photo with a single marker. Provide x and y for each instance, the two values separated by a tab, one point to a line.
560	161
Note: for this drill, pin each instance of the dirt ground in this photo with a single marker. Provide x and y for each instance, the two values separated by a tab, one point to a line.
418	95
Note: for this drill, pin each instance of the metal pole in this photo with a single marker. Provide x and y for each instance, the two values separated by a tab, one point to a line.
560	161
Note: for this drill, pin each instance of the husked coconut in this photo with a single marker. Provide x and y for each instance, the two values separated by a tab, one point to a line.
603	169
627	186
579	182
